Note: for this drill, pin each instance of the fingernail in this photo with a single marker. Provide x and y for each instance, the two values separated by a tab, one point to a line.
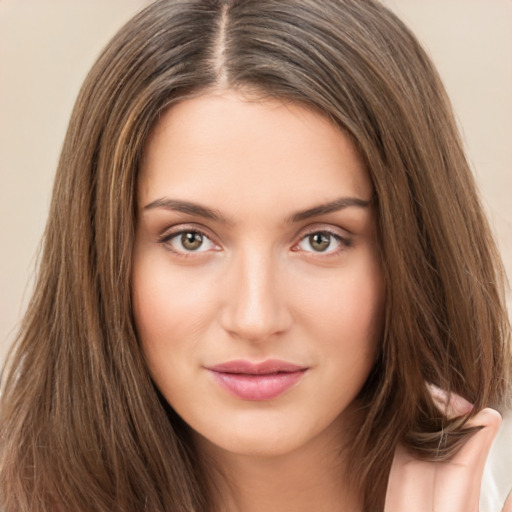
460	405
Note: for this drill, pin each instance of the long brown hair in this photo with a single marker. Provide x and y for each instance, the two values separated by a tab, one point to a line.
82	426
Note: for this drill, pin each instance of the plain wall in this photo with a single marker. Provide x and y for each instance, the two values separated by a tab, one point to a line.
47	47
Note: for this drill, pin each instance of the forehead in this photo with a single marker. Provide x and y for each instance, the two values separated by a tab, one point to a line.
241	150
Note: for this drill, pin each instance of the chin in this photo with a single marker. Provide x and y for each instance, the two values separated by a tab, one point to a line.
257	445
264	435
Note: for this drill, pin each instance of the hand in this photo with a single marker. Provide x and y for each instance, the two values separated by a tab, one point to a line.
449	486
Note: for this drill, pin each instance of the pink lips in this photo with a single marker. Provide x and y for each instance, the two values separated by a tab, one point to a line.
261	381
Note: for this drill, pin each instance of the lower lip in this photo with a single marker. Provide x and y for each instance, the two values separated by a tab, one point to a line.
258	387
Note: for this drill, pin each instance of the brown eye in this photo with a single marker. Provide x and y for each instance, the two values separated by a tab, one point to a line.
191	241
187	241
319	242
323	242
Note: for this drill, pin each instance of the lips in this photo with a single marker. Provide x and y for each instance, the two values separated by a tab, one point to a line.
258	382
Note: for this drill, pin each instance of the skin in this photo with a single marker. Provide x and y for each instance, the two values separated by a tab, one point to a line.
451	486
257	290
255	285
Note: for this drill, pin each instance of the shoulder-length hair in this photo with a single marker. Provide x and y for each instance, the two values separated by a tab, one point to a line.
83	427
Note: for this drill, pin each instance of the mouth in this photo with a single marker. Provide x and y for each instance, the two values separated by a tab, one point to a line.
257	381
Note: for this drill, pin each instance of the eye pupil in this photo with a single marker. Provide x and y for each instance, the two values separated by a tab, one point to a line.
319	241
191	241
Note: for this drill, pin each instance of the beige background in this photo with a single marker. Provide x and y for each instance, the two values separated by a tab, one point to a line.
47	46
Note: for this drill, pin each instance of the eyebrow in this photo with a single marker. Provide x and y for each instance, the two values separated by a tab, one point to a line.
330	207
198	210
187	207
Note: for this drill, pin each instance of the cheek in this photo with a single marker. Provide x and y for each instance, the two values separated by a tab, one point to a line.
350	301
346	316
163	298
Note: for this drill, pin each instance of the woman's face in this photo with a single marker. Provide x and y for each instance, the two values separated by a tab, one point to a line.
257	287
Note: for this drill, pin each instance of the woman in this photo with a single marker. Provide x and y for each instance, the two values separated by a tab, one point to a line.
265	258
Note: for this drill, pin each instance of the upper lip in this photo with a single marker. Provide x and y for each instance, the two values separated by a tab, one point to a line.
270	366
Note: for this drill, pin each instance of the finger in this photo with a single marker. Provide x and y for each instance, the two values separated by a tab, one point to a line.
411	484
476	448
451	486
458	482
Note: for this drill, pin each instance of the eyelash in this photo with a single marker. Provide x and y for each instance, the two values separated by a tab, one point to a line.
344	242
166	240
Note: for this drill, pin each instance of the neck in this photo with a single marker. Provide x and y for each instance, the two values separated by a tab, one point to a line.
312	477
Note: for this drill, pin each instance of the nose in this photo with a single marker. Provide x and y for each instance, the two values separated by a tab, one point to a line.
256	301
